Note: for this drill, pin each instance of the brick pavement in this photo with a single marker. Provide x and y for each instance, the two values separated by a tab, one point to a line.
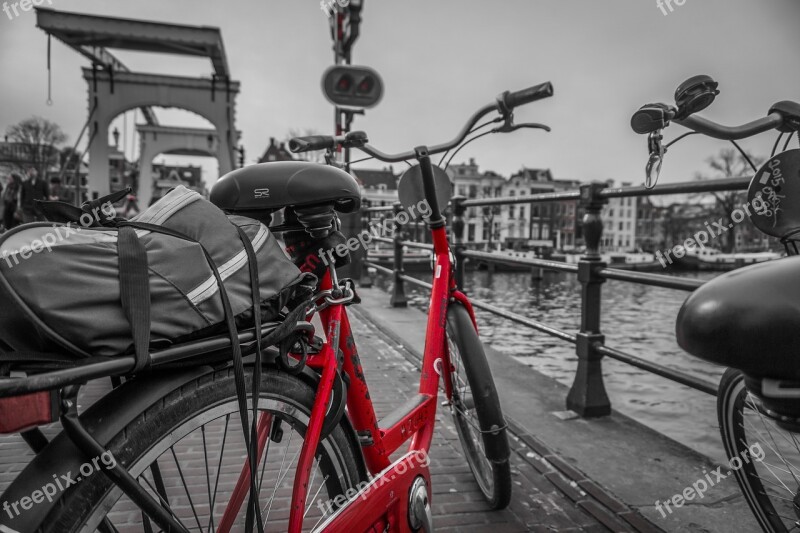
549	494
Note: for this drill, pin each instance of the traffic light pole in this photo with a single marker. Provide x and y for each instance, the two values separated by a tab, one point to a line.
342	54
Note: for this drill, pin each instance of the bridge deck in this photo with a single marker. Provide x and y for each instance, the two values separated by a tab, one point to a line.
569	475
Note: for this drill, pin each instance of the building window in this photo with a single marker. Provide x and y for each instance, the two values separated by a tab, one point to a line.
620	226
511	210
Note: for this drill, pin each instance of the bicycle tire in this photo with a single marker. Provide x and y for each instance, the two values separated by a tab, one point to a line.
88	502
485	440
737	412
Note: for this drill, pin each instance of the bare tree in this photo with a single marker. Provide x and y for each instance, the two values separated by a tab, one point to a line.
729	163
38	139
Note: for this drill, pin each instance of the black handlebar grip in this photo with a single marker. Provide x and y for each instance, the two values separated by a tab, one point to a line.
310	143
651	117
511	100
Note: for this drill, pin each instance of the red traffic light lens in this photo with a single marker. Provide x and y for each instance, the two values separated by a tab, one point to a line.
344	84
366	85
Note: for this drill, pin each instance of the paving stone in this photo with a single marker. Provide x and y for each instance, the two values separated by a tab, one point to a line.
545	497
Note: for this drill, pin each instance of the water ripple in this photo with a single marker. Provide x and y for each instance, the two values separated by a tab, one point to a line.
636	319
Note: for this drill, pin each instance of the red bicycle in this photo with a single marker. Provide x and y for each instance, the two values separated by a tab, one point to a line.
318	438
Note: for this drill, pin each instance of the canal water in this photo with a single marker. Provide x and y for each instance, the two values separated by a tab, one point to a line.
636	319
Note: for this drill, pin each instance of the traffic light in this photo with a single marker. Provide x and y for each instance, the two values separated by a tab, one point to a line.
241	155
349	86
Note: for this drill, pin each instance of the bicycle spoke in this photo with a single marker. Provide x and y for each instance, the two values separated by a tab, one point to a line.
266	454
163	502
780	455
208	478
268	507
185	488
793	440
219	469
775	445
310	501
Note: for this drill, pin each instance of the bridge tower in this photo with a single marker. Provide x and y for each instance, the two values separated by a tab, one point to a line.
114	89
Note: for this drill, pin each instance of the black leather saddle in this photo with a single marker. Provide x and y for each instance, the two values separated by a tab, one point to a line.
267	187
748	319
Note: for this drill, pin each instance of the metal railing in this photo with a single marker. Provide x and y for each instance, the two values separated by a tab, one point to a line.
587	396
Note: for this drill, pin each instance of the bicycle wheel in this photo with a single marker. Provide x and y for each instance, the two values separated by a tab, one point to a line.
763	455
190	446
476	410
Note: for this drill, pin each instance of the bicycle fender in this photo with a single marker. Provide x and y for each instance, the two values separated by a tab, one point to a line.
494	439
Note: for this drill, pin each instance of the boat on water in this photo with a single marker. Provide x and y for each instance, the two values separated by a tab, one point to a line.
622	260
414	260
713	259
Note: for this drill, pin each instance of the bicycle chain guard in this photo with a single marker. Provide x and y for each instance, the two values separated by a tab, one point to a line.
774	196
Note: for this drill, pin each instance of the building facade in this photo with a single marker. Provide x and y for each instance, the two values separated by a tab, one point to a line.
619	223
483	226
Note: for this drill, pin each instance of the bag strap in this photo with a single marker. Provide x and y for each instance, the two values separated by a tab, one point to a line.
236	349
56	211
135	293
255	294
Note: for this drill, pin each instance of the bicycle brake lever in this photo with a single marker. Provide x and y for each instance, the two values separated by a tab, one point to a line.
508	128
657	151
531	125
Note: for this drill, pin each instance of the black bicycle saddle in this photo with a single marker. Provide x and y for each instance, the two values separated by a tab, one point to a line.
748	319
272	186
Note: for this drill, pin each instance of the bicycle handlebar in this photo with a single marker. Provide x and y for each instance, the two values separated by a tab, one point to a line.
732	133
526	96
310	143
783	116
505	103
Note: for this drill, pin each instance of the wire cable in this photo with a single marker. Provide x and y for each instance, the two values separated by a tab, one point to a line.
473	130
786	146
361	160
464	144
775	146
680	138
744	154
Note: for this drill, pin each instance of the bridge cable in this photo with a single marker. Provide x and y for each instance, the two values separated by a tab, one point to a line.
49	74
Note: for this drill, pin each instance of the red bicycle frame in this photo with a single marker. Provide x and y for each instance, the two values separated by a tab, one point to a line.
391	481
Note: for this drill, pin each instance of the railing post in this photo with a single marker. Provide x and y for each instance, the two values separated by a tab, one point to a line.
365	280
588	397
458	238
398	298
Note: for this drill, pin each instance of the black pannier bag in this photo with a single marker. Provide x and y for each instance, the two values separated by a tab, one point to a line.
60	285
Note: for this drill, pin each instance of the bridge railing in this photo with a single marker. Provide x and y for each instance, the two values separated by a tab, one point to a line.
587	396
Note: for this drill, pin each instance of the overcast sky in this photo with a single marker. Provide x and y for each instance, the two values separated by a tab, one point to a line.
442	59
